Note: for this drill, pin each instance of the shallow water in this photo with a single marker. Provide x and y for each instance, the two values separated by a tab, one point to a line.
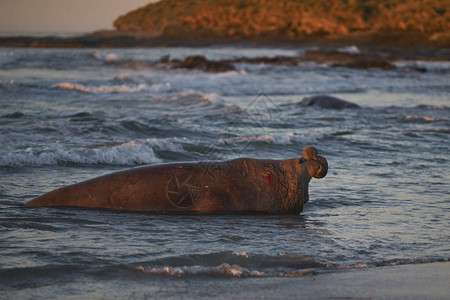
67	115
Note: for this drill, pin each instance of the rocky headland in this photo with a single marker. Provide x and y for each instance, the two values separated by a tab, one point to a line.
407	25
407	22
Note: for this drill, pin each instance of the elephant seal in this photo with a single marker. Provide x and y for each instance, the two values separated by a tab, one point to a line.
239	185
325	101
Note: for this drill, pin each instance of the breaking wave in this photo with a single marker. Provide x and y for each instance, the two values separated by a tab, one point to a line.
236	264
138	152
350	50
276	139
223	269
127	154
104	56
101	89
434	66
241	264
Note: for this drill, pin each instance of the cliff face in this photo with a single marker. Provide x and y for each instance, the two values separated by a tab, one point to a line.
289	19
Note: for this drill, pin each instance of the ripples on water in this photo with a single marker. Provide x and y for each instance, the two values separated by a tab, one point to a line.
66	116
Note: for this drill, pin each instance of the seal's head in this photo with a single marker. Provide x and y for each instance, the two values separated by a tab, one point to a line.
318	167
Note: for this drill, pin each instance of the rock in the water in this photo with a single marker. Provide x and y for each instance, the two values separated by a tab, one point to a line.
330	102
199	62
367	63
342	59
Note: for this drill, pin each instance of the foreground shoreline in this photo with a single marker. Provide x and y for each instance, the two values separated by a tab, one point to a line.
411	281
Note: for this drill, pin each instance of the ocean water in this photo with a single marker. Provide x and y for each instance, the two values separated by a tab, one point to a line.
68	115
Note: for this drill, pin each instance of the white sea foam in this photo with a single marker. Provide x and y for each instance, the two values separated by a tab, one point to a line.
128	154
230	83
268	138
6	57
350	50
241	254
277	139
101	89
105	56
170	144
131	153
161	87
443	66
224	269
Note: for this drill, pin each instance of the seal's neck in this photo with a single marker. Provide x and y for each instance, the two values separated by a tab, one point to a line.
297	171
291	166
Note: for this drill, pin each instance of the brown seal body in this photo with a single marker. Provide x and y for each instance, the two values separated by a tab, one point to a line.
239	185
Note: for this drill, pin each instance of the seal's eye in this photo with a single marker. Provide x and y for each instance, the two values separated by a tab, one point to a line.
301	160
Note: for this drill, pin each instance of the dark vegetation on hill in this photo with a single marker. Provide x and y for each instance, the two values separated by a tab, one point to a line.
384	21
406	25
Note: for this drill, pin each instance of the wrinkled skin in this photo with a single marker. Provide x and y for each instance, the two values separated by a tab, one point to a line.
239	185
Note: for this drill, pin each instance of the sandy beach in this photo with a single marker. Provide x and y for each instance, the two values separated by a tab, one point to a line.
417	281
414	281
421	281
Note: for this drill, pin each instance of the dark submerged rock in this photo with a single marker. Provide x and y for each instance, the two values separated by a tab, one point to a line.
328	102
367	63
14	115
200	62
277	60
358	61
130	64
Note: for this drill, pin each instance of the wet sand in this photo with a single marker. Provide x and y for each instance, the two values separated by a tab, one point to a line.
422	281
413	281
416	281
